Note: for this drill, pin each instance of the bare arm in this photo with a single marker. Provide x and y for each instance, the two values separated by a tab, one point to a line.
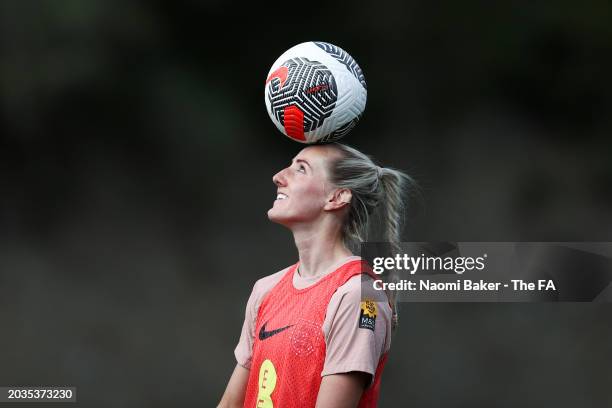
342	390
233	397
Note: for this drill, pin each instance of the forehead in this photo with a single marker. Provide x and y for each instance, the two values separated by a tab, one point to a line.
317	156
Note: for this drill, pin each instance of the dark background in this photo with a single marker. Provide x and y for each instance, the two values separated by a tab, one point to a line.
136	159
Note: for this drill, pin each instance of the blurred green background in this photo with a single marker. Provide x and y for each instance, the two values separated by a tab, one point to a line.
136	159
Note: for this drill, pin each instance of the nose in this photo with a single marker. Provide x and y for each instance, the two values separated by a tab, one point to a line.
279	178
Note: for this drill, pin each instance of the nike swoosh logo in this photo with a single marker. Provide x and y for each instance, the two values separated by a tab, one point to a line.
263	334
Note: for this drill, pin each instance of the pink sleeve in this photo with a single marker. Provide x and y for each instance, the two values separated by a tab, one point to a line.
350	344
244	349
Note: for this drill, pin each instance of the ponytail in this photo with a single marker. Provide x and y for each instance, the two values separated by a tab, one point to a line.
374	189
394	184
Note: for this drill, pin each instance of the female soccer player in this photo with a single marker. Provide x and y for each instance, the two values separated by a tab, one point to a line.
313	335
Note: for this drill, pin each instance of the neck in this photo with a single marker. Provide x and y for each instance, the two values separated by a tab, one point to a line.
319	248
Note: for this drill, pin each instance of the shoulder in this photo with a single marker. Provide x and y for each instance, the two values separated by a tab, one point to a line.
352	296
268	282
360	288
264	285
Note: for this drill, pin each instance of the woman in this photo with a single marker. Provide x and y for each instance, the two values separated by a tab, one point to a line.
310	336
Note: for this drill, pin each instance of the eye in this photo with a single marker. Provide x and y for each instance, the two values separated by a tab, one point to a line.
301	168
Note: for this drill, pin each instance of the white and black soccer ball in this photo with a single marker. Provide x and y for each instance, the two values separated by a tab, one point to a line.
315	92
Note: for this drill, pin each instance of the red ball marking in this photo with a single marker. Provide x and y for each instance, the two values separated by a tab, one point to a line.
294	123
281	73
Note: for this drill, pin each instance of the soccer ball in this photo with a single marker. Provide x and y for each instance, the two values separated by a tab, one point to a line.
315	92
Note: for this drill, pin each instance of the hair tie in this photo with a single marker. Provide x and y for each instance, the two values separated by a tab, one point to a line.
379	171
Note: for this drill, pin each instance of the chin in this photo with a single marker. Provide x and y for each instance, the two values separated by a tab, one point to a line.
277	218
272	216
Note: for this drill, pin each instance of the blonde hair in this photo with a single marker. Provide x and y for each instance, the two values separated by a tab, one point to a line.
373	188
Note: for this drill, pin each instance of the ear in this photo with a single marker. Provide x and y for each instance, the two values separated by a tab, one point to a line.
340	198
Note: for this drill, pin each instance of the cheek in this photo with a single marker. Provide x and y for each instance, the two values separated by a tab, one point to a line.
314	190
314	197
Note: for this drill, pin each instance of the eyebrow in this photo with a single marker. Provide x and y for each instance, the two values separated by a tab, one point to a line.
302	161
